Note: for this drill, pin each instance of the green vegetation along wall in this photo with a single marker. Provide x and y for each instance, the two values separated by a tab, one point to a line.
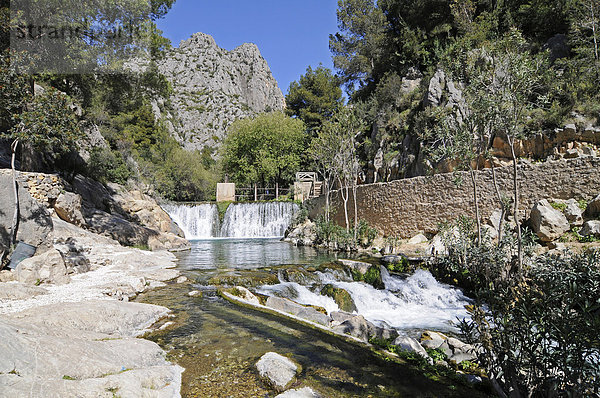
406	207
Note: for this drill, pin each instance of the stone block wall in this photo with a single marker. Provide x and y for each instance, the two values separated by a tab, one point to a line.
403	208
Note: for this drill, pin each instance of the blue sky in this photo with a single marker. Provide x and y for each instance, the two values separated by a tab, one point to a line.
291	34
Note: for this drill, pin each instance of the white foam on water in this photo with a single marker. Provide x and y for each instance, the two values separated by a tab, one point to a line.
417	302
300	294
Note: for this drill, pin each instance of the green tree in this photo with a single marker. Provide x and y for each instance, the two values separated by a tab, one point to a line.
358	48
264	149
503	83
99	36
583	70
335	151
315	97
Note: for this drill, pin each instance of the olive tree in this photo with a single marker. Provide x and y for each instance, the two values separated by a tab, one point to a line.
501	82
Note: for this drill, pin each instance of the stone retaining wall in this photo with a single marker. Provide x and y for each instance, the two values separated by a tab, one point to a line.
403	208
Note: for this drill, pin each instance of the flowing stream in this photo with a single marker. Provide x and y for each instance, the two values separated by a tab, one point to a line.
218	343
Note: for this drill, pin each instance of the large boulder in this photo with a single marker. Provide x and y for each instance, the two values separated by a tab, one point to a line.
341	297
119	229
19	291
277	371
35	224
408	344
86	349
457	351
358	327
143	209
48	267
548	223
290	307
300	275
418	239
433	340
436	89
591	228
360	267
573	212
593	208
68	208
93	194
304	234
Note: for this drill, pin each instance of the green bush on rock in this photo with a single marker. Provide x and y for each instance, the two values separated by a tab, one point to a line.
341	297
372	277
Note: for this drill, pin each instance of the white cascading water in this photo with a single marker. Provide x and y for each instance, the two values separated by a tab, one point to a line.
416	302
197	222
257	220
300	294
244	220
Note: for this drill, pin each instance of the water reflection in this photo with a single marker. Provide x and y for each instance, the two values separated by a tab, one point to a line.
246	254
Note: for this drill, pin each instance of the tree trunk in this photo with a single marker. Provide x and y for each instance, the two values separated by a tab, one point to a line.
511	143
15	222
593	12
355	212
344	188
502	207
327	196
476	203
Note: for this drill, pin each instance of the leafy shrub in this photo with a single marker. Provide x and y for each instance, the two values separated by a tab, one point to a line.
473	266
300	217
372	277
106	165
402	267
329	232
437	355
365	233
575	236
536	326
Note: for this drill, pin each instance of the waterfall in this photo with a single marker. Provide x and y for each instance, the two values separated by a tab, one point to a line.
197	222
241	220
257	220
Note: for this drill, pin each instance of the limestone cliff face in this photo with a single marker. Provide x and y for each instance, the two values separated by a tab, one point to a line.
214	87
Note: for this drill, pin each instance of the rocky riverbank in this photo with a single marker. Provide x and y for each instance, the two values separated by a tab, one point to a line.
76	336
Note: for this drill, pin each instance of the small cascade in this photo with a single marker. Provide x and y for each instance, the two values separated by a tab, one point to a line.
257	220
300	294
197	222
243	220
416	302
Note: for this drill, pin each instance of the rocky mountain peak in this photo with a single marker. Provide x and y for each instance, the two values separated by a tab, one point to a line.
214	87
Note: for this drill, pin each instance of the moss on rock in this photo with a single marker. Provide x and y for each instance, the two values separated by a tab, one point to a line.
341	297
372	277
244	278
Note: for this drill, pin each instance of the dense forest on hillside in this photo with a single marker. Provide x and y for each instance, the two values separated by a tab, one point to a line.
386	53
415	73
